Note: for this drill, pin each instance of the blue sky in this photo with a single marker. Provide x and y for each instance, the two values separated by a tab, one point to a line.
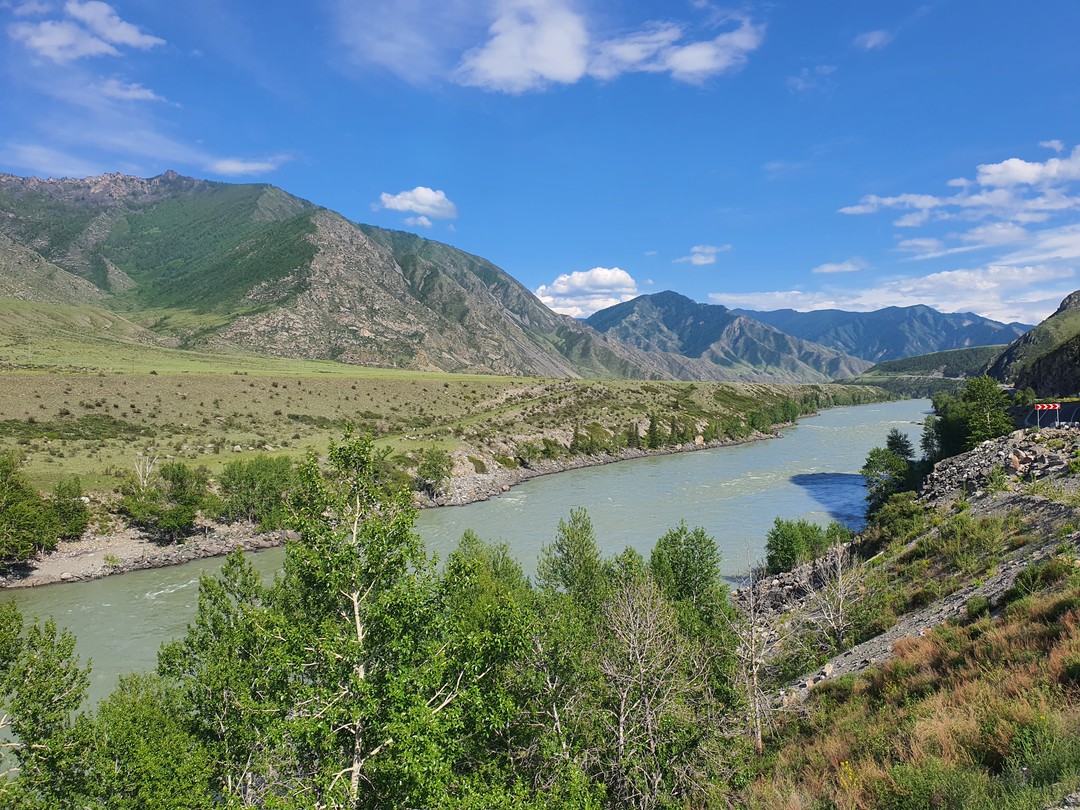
775	154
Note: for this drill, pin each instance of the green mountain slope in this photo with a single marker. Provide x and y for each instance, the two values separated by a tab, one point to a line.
671	324
251	268
1047	358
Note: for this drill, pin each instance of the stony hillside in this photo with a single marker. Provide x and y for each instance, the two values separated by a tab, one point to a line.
891	333
1047	358
668	324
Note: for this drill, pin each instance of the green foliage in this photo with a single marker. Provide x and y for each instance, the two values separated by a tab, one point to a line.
166	503
898	443
792	542
572	563
41	686
256	490
433	470
143	754
27	522
685	563
959	423
72	514
885	474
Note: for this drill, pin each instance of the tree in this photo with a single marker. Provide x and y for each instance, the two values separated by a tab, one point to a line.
27	521
572	563
165	503
433	470
898	443
987	410
256	490
72	513
345	683
41	686
792	542
685	563
885	474
660	722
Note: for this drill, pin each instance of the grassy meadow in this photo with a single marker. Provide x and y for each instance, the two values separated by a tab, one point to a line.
83	391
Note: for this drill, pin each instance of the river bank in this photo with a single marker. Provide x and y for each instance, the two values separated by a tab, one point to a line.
95	556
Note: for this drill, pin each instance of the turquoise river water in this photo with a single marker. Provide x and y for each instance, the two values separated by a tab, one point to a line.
734	492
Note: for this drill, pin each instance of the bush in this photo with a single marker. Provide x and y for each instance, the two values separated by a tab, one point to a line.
72	514
168	503
256	489
433	471
792	542
28	523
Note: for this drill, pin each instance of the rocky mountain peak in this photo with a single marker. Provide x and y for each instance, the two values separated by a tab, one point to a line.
1072	301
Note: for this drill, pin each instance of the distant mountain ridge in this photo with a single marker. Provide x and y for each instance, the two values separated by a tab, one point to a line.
892	333
670	323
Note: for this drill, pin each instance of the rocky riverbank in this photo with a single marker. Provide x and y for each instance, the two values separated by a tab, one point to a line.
105	554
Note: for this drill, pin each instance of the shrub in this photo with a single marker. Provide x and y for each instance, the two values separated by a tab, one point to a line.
72	514
792	542
978	606
433	471
27	522
168	503
256	489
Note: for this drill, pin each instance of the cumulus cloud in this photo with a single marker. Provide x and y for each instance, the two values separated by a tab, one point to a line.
533	43
852	265
703	254
418	222
1015	172
520	46
421	200
91	28
583	292
1054	144
873	40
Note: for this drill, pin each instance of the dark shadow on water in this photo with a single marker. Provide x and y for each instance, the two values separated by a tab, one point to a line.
843	495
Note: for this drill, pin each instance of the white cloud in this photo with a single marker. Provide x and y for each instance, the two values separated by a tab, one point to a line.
703	254
418	222
873	40
127	91
1054	144
60	40
852	265
726	53
517	46
103	20
234	167
1027	294
420	200
582	293
91	28
1014	171
995	233
533	43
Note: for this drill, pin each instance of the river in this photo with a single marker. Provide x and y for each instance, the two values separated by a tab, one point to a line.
734	492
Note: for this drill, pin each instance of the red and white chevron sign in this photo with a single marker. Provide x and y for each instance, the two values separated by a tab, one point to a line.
1053	406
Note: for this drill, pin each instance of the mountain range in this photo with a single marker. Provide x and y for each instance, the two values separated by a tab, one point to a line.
891	333
249	268
1046	359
